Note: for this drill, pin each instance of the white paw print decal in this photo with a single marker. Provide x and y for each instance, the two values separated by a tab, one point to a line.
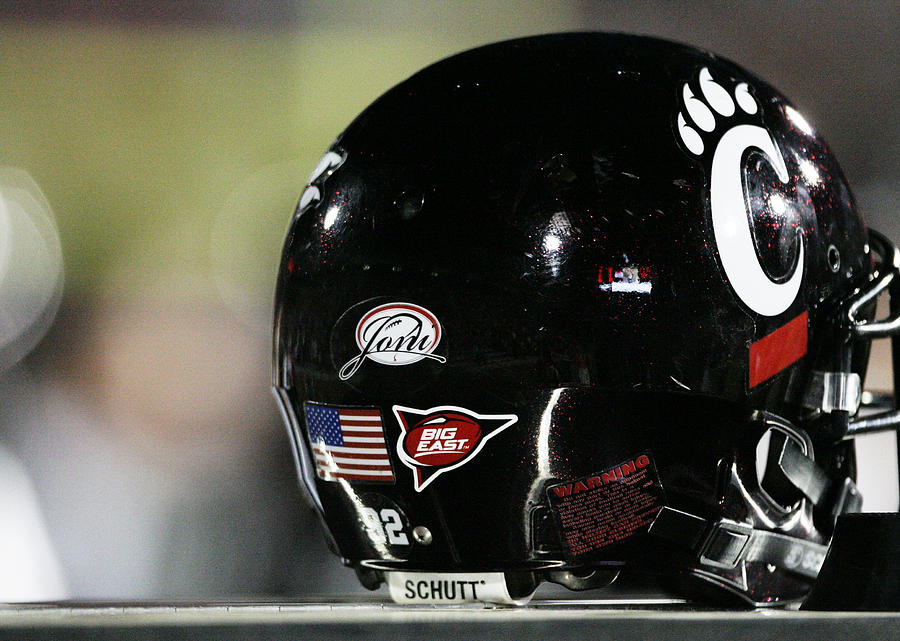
710	122
313	194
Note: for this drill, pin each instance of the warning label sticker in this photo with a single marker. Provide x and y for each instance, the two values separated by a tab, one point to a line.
604	508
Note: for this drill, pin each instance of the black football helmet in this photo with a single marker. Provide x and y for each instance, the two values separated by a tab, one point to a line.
574	305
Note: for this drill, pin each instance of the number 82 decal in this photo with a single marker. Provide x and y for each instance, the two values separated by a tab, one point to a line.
384	525
384	522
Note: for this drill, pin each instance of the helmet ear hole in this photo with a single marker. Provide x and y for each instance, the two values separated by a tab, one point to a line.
834	258
772	480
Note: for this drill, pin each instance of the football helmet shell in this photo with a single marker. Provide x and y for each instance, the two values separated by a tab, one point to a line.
571	304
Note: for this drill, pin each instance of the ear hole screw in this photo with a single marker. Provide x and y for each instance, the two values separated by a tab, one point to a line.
422	535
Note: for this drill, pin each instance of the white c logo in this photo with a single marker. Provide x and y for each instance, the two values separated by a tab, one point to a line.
732	229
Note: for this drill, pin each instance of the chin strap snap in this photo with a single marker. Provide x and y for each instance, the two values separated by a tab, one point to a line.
724	544
835	496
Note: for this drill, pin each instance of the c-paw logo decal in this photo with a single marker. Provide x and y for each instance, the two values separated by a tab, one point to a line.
755	203
725	127
440	439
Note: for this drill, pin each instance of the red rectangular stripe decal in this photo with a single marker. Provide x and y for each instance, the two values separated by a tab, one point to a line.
771	354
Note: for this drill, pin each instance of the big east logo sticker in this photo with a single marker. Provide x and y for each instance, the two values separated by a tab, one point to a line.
440	439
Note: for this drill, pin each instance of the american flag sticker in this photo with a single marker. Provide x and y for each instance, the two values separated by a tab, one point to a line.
348	443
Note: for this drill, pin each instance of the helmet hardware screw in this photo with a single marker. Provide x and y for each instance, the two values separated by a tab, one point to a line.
422	535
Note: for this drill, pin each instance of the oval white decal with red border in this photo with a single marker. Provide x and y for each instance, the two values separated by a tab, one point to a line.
395	334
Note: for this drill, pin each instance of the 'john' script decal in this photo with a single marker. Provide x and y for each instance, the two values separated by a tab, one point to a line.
395	334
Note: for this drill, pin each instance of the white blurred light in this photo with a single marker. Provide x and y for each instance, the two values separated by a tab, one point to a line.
31	271
877	471
330	216
552	242
810	172
29	570
778	204
801	122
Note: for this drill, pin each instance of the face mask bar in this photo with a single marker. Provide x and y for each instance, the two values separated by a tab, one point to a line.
854	329
723	544
838	393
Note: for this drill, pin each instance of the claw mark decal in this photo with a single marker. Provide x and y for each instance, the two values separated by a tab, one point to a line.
313	194
707	122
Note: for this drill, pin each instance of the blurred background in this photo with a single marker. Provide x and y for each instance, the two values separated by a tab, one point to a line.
153	154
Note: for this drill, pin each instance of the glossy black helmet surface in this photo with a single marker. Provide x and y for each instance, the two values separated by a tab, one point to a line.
571	305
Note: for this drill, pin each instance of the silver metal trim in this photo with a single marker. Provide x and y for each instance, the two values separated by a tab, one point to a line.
830	391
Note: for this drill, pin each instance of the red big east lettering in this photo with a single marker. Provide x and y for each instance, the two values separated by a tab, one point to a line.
442	440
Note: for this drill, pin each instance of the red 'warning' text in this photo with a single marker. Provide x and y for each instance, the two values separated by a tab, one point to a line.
610	476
